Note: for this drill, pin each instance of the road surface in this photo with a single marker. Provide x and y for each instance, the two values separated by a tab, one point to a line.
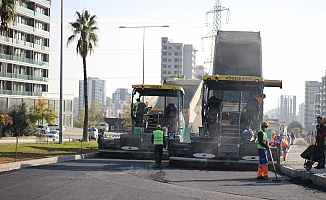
129	179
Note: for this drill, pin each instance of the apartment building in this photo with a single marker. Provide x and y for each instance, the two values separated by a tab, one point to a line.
24	53
177	59
96	91
287	108
311	88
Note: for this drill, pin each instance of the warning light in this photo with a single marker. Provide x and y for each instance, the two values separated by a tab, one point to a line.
142	85
216	76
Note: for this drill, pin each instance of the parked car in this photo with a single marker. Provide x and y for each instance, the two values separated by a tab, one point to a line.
103	126
55	127
43	129
93	133
53	134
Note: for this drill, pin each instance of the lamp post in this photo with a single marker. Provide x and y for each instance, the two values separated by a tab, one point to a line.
143	27
61	78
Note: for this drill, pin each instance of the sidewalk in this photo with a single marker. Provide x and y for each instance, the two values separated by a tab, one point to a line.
293	165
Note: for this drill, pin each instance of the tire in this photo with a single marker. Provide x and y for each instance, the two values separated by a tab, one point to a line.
308	165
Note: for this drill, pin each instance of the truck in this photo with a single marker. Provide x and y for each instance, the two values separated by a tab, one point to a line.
232	106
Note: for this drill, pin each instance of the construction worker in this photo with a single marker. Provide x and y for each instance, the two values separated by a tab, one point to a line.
262	146
320	141
285	148
272	143
158	144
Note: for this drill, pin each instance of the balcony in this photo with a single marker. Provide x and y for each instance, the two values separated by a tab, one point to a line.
24	26
23	76
25	10
46	2
40	47
25	93
41	16
42	32
25	60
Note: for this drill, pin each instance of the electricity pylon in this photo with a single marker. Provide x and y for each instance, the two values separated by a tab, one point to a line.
216	10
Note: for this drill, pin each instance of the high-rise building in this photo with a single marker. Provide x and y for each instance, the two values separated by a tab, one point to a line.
287	108
24	53
177	59
96	91
300	117
120	98
311	88
76	107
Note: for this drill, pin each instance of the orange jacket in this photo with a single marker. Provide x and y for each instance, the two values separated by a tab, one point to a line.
285	144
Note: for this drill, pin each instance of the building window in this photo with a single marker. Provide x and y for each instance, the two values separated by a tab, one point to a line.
164	59
175	66
169	72
164	53
169	54
163	66
164	72
169	66
178	47
169	60
176	72
164	47
169	47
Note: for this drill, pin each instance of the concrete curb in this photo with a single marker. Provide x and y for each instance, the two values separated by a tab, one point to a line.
317	179
43	161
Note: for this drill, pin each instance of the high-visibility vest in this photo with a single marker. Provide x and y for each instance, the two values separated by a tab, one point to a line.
158	137
259	146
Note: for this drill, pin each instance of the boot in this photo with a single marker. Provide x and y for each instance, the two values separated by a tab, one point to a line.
265	171
260	172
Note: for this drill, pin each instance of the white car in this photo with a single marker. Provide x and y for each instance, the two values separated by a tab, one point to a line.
93	133
103	126
55	127
53	134
43	129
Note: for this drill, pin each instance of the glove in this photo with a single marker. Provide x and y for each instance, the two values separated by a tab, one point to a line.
154	145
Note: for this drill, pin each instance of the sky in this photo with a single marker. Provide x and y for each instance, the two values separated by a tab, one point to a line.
292	33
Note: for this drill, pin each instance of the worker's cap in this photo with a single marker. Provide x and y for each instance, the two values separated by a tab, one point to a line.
273	132
265	124
158	126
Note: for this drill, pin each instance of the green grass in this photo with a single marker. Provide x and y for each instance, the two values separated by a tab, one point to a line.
43	150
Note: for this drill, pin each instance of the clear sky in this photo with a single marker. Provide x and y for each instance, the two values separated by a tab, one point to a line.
292	32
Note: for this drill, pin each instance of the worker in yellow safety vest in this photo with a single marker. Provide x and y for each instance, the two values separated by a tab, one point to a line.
158	144
262	146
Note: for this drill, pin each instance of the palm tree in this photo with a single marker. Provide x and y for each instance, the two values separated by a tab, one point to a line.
84	31
7	12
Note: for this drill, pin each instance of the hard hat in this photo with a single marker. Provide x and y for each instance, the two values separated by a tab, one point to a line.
158	126
265	124
273	132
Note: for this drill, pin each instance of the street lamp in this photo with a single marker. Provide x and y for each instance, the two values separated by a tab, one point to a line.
143	27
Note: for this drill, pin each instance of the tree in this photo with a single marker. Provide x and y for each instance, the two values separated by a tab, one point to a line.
84	31
126	121
7	12
5	120
41	111
177	76
95	113
21	125
295	124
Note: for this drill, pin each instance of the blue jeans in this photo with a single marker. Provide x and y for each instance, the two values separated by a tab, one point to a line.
263	160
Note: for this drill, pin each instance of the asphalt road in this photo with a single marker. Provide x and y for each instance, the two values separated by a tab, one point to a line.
129	179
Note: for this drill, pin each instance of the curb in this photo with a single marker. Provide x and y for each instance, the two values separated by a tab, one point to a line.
43	161
317	179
